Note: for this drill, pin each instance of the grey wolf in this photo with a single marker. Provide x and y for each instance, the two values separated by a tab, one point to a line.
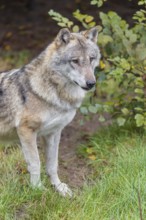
41	98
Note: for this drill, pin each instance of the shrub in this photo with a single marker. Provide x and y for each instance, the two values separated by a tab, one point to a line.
121	87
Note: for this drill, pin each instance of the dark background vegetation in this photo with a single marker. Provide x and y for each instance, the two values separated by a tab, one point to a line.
26	24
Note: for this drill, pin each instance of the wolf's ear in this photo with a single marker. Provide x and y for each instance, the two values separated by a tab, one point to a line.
63	36
91	34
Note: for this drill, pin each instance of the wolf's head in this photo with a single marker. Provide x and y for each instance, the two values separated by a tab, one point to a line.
76	56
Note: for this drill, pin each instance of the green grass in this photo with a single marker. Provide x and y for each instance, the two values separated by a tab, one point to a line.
116	191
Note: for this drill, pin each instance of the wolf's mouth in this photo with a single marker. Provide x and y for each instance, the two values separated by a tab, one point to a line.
84	88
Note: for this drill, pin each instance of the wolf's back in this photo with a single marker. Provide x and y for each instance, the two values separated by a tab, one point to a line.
8	103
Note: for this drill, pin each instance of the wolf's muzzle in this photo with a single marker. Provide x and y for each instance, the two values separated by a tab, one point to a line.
90	84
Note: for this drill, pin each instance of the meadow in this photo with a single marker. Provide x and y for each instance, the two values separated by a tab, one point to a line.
116	190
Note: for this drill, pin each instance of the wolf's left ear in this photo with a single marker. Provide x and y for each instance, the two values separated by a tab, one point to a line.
91	34
63	36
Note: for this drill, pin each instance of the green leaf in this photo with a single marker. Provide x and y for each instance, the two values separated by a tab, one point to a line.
139	120
112	14
104	18
56	19
121	121
117	74
51	12
81	122
89	150
142	2
107	108
69	24
124	64
141	52
139	91
99	3
125	111
101	118
104	39
75	28
93	2
133	38
139	82
92	109
92	24
99	107
61	24
65	20
84	110
89	18
138	109
140	99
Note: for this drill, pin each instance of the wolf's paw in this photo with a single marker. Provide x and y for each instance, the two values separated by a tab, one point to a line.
38	186
64	190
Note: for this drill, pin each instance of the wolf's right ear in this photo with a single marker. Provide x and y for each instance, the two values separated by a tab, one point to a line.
63	36
91	34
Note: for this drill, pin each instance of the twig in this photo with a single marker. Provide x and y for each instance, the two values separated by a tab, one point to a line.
139	204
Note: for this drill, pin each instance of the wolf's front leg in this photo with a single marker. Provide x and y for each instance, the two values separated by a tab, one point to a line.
29	147
52	144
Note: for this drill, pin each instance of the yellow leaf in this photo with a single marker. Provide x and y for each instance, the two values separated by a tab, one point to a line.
89	150
7	47
75	28
102	64
92	157
92	24
9	34
88	19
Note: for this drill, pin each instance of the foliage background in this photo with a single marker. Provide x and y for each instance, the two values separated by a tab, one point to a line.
120	89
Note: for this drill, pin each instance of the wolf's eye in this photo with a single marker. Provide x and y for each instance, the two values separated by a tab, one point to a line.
75	61
91	59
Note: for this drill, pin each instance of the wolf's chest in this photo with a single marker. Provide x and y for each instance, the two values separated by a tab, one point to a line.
55	121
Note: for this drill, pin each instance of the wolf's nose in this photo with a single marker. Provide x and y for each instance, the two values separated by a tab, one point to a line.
90	84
